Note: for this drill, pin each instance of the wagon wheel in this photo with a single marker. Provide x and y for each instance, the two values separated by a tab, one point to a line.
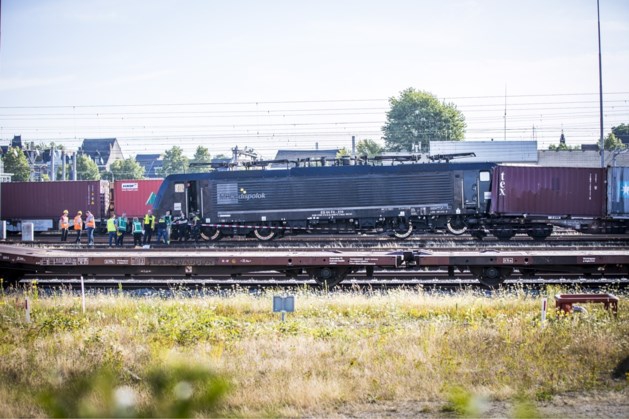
265	233
505	233
211	234
328	276
456	226
540	233
478	234
491	276
403	230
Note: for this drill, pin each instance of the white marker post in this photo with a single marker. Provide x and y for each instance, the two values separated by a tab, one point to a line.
544	308
83	293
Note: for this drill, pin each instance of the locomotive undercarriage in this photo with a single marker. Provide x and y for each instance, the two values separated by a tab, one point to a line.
400	227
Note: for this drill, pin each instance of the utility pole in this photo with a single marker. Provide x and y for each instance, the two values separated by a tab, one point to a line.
600	83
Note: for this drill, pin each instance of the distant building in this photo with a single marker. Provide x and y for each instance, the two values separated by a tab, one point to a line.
104	151
488	151
4	177
151	163
15	142
579	158
308	157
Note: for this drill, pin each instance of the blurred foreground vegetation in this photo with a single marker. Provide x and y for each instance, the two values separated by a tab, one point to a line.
230	356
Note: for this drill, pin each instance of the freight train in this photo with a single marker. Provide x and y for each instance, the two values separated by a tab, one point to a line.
42	203
400	200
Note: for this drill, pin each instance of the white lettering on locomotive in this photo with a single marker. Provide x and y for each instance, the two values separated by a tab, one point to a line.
229	194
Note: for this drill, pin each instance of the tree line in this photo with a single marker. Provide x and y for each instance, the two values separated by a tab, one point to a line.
415	118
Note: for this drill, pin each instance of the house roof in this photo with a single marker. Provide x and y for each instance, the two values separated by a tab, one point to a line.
15	142
151	164
99	149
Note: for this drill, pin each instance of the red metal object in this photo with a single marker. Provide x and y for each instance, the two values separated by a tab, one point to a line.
47	200
566	301
548	191
130	196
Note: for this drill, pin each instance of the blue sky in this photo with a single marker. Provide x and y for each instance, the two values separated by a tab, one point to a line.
289	74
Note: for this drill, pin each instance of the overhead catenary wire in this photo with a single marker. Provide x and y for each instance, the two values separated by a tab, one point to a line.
153	126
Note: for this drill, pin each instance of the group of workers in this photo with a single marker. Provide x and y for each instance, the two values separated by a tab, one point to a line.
118	227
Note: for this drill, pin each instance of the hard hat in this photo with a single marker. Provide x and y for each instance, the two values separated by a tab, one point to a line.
79	212
65	211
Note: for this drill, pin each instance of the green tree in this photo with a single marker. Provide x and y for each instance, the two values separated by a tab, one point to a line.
174	162
417	117
622	132
613	143
86	169
126	169
201	160
343	152
15	162
369	148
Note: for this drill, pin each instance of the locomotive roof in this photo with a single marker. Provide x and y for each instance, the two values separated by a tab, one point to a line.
331	171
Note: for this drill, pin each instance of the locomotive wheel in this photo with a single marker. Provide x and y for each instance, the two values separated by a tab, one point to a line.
491	276
264	234
403	231
328	277
456	226
211	234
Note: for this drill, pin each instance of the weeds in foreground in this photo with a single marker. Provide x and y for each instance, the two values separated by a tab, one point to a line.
240	360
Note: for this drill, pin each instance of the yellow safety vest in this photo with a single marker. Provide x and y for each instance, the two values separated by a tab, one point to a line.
111	225
149	220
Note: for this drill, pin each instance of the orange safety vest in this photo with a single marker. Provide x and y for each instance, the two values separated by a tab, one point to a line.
90	222
65	223
78	223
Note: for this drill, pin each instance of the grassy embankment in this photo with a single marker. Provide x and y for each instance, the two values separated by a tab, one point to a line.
179	356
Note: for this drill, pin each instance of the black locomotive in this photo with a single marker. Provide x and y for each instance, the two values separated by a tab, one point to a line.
395	199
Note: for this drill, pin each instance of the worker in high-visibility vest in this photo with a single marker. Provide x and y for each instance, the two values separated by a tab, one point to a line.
112	227
78	225
122	229
137	232
64	225
149	226
90	224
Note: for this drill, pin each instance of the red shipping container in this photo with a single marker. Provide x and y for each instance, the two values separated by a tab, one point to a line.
548	191
47	200
131	196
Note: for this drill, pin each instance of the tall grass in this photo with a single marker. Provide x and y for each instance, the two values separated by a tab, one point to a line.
340	348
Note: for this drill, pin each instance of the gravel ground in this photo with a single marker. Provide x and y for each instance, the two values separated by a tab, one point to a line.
611	404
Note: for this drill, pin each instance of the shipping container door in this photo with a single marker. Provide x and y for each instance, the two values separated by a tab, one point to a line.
618	192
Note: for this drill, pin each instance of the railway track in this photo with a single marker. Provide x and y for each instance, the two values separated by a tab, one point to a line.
381	281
